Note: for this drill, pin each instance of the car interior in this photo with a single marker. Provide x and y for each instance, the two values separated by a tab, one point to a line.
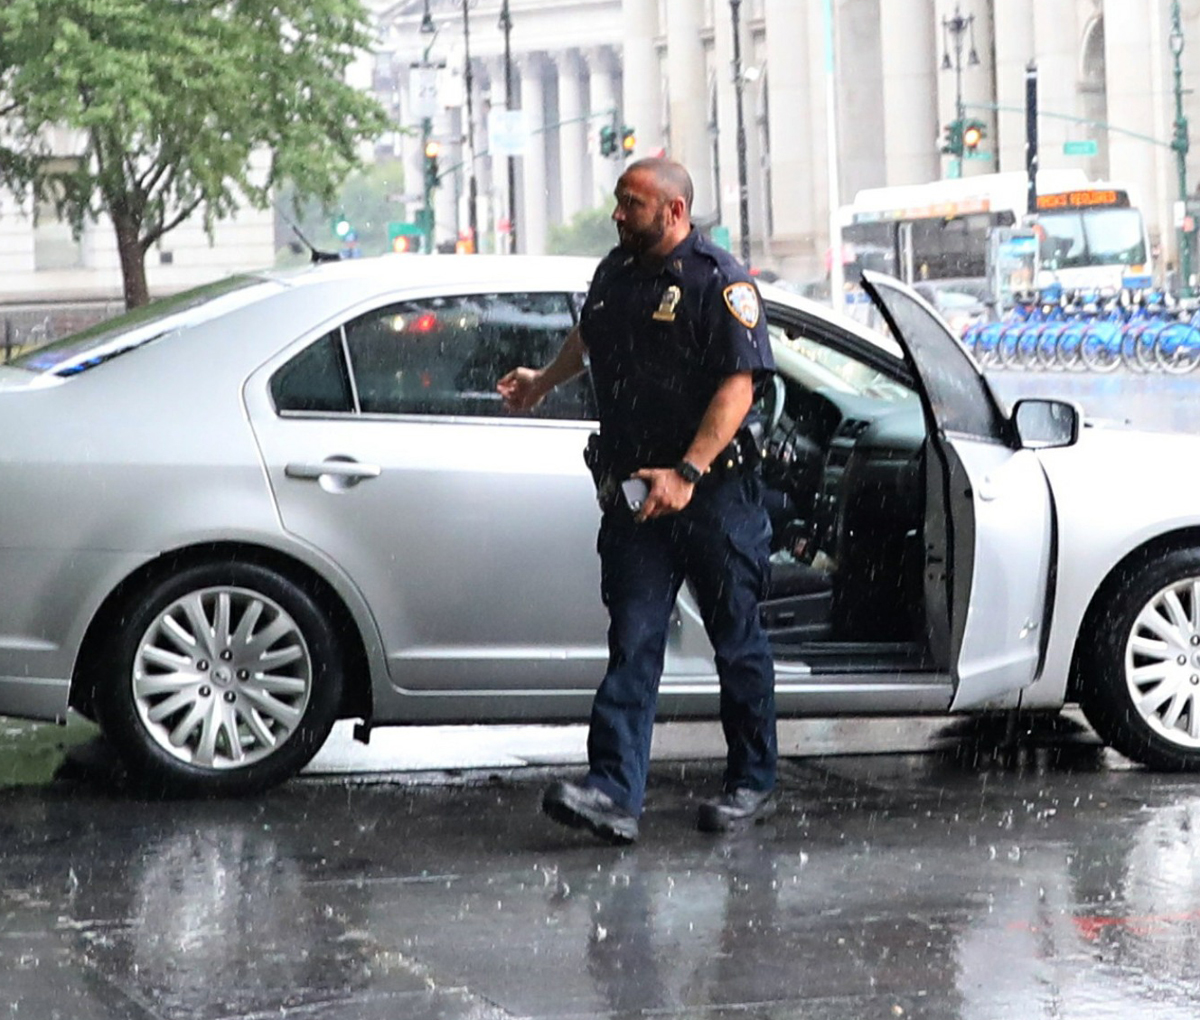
843	469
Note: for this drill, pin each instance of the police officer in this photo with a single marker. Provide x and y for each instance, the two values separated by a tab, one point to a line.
676	340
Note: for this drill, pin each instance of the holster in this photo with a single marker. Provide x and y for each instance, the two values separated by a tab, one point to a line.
594	458
599	464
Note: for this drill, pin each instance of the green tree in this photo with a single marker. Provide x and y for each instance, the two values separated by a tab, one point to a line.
169	101
590	232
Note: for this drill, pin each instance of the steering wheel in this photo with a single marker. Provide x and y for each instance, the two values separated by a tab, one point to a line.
774	400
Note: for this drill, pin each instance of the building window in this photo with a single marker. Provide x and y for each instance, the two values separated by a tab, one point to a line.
54	245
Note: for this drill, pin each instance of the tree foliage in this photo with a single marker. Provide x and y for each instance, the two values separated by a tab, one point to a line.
168	105
589	232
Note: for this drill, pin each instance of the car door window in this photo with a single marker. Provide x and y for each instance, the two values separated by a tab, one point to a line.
959	397
315	380
443	356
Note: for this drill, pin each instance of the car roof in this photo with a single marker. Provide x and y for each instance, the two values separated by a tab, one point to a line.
379	274
569	271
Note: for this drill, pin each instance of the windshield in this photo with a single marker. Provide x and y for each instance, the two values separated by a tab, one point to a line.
113	337
818	366
1092	237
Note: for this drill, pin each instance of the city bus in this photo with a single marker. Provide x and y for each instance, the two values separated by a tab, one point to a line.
1091	234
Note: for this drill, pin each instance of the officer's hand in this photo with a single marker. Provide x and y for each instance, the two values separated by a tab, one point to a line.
669	493
521	389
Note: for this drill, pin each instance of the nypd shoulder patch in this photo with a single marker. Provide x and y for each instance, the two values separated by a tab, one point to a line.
742	301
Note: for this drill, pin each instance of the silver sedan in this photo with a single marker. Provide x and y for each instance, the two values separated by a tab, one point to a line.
242	513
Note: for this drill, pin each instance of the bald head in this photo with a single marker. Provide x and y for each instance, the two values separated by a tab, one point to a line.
654	203
671	178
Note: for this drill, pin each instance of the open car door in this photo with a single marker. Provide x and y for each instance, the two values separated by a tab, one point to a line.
998	515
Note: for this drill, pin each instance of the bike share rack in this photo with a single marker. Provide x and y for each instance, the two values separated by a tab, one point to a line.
1142	331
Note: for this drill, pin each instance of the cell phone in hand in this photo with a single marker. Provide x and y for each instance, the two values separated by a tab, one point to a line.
635	491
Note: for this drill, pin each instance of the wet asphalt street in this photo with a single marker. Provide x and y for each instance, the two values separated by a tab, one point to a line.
973	879
950	870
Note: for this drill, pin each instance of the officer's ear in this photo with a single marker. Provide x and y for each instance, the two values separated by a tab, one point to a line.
678	208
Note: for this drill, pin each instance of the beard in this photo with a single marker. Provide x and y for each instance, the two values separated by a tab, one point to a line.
640	241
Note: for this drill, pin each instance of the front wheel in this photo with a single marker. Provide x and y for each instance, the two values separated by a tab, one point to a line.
224	679
1140	682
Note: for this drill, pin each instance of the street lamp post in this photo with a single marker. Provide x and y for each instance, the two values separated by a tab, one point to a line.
1180	144
506	28
735	7
430	29
955	28
468	82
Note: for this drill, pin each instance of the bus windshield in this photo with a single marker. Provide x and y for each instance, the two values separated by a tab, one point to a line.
1092	237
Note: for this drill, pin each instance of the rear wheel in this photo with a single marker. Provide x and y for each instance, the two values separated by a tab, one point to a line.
1140	684
224	679
1099	353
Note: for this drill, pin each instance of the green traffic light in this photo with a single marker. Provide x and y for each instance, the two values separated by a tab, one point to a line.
952	144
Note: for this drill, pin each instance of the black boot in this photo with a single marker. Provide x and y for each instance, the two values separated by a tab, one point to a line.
735	810
584	807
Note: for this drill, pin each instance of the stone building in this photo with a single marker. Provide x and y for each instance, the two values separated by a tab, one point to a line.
666	68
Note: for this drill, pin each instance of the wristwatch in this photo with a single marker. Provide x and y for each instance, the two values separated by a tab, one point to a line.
688	472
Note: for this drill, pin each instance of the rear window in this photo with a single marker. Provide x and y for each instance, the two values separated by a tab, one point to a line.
113	337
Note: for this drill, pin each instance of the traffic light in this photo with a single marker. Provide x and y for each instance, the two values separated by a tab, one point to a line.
628	141
341	227
952	138
432	151
973	132
608	140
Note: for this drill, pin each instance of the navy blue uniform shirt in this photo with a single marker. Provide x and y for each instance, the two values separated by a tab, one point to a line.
661	341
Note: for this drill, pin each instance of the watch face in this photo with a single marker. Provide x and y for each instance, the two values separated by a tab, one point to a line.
689	472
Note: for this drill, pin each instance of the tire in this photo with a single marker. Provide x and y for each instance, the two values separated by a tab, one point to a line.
1099	354
224	679
1140	678
1181	351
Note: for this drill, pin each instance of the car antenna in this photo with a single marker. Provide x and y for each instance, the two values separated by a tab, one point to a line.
316	253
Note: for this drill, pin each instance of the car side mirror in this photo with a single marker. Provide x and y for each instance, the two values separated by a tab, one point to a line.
1042	424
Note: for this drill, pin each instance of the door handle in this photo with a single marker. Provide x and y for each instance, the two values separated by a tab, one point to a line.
348	470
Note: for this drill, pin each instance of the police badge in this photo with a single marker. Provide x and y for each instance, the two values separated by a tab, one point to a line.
666	307
742	301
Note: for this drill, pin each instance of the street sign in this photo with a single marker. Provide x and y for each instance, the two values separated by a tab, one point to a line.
1081	147
507	133
423	90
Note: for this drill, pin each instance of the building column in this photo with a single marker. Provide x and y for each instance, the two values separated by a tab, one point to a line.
642	101
573	132
1014	48
531	238
499	164
602	97
910	60
1140	87
1056	32
688	97
799	200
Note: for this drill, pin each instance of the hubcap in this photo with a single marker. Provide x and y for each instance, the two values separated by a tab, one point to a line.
222	677
1162	663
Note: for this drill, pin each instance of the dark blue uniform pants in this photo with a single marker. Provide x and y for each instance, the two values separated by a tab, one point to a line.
720	542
